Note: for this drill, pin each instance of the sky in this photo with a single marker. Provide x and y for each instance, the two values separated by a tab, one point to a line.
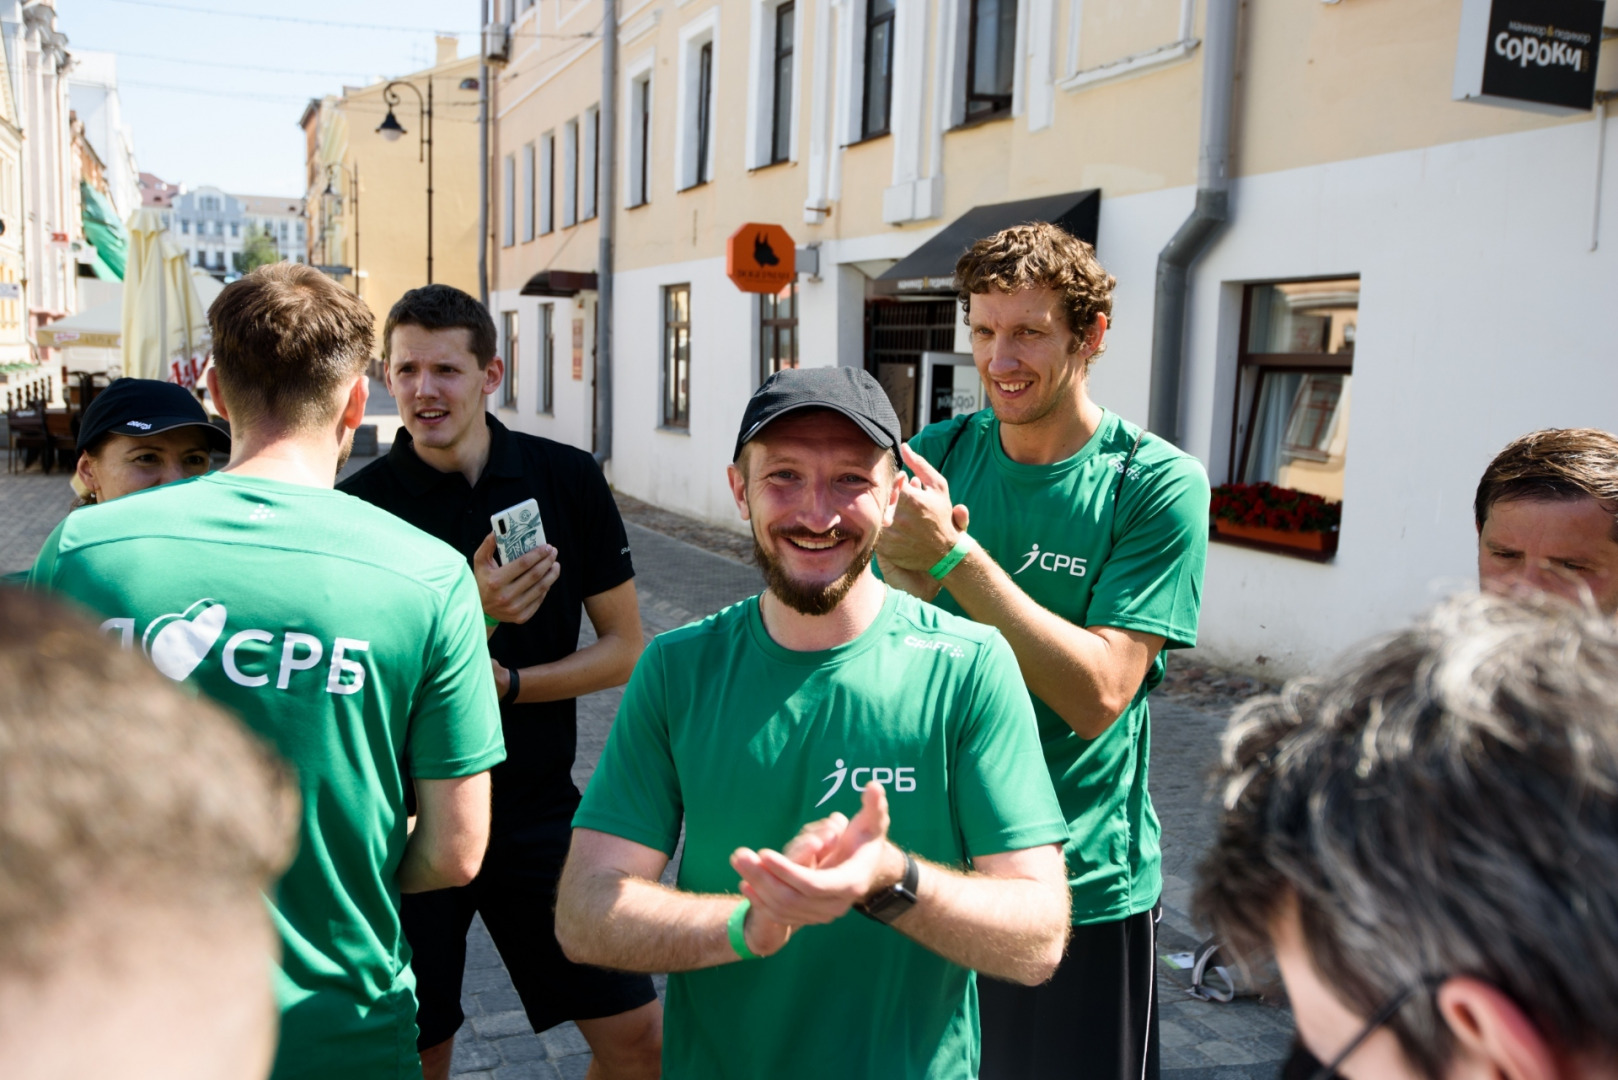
212	89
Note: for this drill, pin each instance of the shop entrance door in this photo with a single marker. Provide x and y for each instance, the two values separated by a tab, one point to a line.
897	333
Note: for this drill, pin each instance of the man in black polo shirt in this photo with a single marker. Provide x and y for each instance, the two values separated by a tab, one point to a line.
451	468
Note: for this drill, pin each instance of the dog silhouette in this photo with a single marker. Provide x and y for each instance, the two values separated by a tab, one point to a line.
763	254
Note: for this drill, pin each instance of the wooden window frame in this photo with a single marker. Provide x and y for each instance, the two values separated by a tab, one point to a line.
675	331
867	130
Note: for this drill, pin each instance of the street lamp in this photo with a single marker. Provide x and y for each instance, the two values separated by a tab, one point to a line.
391	130
353	177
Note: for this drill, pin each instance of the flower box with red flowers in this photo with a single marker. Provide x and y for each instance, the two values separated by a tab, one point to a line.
1271	515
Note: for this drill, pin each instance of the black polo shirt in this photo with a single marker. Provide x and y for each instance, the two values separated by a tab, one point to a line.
534	796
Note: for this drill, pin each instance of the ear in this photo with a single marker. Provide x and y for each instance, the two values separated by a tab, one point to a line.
493	376
900	479
85	471
1097	331
1493	1037
738	490
354	407
387	377
212	379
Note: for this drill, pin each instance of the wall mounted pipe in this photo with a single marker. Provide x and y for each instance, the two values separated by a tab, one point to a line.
1208	217
607	147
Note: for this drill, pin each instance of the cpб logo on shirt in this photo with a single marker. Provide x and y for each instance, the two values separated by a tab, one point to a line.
896	778
178	643
1053	561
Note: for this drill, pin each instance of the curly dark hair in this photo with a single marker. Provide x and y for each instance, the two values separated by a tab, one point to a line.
1039	256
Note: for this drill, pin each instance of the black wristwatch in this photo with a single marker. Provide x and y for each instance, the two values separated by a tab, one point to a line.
894	901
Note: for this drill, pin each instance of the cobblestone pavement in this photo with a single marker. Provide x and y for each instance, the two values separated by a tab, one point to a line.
678	582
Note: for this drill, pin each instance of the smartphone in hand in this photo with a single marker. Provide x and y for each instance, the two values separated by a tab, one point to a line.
517	531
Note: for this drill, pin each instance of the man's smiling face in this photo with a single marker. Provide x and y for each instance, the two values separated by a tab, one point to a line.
438	384
818	492
1025	353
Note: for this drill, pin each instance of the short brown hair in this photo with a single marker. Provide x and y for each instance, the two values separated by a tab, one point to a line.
1039	256
1556	464
116	786
285	338
444	307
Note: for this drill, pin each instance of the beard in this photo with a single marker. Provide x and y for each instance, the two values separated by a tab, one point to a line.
805	597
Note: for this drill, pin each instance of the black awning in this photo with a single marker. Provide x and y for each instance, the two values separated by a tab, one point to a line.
560	283
931	267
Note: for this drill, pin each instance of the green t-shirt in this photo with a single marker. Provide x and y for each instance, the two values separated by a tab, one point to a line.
352	643
747	741
1136	566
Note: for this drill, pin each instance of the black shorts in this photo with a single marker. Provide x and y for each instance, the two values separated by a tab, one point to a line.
1096	1020
521	916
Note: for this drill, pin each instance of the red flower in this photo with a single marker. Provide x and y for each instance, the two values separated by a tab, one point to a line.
1274	507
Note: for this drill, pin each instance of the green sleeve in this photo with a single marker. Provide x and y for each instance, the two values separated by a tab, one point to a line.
635	792
455	726
43	575
1152	581
1004	799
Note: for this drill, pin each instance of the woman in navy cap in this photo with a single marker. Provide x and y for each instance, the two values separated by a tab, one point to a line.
140	433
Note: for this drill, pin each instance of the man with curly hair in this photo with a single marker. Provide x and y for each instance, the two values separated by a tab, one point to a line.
1087	550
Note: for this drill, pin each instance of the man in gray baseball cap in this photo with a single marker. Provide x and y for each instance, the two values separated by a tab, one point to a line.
828	694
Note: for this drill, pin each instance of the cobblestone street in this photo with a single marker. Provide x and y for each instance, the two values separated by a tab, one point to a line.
678	581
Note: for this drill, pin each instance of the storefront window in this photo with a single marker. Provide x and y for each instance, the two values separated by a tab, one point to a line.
777	331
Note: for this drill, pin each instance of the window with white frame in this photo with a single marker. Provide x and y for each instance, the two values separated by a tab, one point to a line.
547	360
508	384
991	58
781	83
694	160
508	201
640	140
547	182
677	356
877	95
589	161
528	192
570	173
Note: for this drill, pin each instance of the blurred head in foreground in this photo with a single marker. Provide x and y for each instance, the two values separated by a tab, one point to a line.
1427	840
138	829
1547	516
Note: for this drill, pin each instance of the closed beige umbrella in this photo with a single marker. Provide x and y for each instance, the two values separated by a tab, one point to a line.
165	325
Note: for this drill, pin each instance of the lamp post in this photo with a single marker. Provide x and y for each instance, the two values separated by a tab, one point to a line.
353	177
390	129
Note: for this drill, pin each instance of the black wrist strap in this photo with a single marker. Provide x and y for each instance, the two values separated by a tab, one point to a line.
514	689
890	903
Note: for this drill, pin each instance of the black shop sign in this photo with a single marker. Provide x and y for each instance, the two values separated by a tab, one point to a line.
1529	54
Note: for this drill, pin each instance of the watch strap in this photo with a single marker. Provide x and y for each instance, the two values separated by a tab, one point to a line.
892	902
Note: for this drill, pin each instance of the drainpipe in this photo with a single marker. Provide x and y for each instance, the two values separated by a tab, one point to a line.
607	184
1208	218
483	163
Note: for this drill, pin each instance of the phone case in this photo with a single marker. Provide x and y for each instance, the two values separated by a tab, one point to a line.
517	531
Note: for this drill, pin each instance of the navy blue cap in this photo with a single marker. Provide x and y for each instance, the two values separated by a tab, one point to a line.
848	390
137	407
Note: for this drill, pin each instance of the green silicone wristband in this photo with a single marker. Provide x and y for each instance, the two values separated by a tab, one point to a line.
738	938
962	548
490	620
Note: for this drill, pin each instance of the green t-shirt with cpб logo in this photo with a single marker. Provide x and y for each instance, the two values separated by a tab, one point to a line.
746	741
354	645
1133	564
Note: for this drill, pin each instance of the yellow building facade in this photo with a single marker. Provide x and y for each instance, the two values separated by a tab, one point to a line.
367	195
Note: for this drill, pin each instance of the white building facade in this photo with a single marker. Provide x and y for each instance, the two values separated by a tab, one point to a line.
1406	281
211	226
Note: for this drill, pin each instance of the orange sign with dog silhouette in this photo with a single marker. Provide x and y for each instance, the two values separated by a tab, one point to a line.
761	258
